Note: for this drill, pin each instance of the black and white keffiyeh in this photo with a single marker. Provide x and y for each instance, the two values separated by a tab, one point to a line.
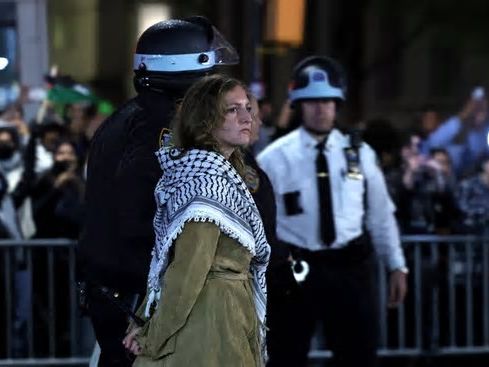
200	185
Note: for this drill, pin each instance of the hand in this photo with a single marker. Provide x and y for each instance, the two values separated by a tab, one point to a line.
397	288
64	178
130	342
414	162
468	109
434	165
283	120
22	127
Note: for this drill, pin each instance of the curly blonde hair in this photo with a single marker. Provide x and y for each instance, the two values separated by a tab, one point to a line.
202	111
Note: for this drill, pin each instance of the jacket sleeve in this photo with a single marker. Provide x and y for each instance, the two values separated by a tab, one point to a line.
444	134
140	314
380	219
194	252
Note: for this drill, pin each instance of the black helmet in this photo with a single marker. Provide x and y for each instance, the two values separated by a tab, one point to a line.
318	77
176	52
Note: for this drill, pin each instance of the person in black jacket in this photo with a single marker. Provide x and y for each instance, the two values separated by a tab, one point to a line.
58	195
57	202
117	239
281	283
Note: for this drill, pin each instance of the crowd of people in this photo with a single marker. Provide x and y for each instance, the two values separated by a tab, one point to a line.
42	197
436	169
318	199
439	177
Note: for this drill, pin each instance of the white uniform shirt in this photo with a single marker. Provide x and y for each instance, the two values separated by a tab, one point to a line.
290	164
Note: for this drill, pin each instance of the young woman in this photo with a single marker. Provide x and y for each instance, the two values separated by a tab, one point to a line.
206	296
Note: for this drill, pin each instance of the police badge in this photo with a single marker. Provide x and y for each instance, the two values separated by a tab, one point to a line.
353	163
165	138
251	179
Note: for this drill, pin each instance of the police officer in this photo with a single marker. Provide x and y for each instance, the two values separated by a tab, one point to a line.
116	243
280	279
332	204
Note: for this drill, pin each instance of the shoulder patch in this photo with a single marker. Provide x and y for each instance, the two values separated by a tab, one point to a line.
165	138
251	179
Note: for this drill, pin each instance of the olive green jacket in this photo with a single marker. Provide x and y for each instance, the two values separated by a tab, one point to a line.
206	316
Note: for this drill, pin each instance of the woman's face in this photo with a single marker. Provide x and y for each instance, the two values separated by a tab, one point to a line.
65	152
236	128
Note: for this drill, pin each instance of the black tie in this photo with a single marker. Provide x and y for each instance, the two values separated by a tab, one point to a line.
326	220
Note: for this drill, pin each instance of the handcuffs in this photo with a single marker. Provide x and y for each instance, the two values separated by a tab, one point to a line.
300	269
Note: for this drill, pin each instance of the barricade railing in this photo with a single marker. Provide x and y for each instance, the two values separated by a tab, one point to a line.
447	307
39	318
446	311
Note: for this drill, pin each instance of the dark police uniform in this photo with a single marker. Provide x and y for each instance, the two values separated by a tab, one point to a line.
115	246
116	243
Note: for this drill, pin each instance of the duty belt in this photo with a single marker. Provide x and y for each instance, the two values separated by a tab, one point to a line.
357	250
116	299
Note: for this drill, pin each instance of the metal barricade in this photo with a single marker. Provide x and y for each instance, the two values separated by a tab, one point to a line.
39	318
447	308
446	311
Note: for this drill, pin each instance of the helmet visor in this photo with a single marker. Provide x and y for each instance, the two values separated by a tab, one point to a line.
225	54
219	52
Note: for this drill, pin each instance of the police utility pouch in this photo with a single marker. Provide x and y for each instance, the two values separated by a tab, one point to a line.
292	203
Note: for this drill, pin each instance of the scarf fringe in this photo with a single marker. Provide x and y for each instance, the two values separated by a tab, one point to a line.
198	216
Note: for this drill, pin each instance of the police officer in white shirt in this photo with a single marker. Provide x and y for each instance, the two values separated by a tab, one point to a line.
334	211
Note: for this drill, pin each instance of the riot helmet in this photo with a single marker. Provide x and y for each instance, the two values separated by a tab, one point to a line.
318	77
175	53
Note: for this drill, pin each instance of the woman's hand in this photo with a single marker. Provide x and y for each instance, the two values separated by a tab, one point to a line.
63	179
130	342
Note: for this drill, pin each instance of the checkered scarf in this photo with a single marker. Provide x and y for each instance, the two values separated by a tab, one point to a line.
200	185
